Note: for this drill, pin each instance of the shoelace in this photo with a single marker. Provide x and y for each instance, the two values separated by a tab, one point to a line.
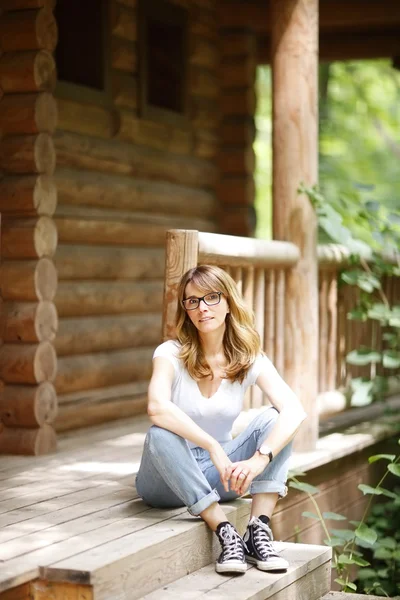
263	539
232	545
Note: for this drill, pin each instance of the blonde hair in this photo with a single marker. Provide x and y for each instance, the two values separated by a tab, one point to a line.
241	341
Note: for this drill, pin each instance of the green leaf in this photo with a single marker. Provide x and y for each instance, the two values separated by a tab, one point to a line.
310	515
391	359
388	493
334	542
340	581
395	469
333	516
380	312
363	394
383	554
357	314
366	534
367	574
388	542
344	534
304	487
363	357
365	281
346	559
351	586
361	562
367	489
376	457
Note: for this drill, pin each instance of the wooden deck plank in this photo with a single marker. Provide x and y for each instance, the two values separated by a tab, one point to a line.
15	572
119	569
206	583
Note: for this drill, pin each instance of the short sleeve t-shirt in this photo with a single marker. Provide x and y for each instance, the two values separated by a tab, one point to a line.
216	414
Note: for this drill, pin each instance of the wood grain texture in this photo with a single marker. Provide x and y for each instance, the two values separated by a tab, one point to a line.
181	255
29	280
28	363
28	406
28	322
27	154
29	238
28	196
31	71
28	30
295	151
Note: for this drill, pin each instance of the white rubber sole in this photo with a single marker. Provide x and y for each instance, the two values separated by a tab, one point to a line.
274	564
231	567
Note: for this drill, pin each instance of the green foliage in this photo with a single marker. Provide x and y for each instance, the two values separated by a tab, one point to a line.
373	544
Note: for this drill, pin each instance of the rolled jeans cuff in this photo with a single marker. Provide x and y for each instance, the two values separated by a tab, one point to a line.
204	503
268	487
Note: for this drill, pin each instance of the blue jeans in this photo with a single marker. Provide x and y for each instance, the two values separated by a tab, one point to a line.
172	475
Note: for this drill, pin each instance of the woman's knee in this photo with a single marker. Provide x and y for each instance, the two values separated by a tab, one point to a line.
159	438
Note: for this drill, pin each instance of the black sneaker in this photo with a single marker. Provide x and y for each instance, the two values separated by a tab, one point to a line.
258	546
231	559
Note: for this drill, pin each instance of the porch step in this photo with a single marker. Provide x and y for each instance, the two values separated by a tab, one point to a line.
308	578
156	549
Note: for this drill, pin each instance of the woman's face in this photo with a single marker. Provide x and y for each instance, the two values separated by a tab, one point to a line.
206	318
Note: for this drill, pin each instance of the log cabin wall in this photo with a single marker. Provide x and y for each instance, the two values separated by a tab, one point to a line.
28	114
123	179
236	190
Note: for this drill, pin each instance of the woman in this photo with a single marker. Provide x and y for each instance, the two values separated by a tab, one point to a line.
196	392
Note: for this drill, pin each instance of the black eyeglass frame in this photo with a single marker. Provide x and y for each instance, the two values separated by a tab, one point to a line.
204	300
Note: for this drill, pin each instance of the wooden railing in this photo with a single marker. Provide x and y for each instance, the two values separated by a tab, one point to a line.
260	268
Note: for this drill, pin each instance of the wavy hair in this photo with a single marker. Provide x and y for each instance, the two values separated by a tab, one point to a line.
241	342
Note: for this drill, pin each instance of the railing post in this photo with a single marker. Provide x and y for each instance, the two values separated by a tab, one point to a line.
295	156
182	249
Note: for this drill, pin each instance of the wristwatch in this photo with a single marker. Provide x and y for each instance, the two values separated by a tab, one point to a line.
266	451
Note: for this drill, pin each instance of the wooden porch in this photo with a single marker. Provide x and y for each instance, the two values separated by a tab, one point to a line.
72	526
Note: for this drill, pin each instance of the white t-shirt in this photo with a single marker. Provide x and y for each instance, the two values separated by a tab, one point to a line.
217	414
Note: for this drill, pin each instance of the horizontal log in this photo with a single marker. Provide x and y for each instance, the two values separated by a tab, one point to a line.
98	334
27	363
23	72
89	371
102	395
28	238
238	220
238	102
87	119
239	131
28	322
28	406
126	159
206	144
28	30
98	226
27	4
28	280
238	73
28	154
236	190
105	262
123	22
85	188
355	45
157	135
94	298
240	252
94	413
28	113
205	114
237	161
203	23
124	56
124	90
27	195
36	442
337	14
238	44
204	83
203	52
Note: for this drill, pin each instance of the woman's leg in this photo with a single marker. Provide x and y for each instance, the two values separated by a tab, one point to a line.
169	475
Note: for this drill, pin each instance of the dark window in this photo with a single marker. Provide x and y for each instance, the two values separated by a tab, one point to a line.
80	49
163	56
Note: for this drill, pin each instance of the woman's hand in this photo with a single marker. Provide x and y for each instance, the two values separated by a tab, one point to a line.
222	463
241	474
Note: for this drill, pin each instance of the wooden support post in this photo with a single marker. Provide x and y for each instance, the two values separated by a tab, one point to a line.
181	255
295	152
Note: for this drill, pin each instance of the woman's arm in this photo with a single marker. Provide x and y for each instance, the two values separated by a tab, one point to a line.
291	411
166	414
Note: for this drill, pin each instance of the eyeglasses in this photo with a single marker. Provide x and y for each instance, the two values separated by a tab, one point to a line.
210	299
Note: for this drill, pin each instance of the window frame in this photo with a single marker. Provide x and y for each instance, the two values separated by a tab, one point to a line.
172	14
83	93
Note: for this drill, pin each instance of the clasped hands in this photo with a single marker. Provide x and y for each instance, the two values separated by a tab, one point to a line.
237	476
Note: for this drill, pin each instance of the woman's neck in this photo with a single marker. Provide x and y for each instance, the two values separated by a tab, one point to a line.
212	344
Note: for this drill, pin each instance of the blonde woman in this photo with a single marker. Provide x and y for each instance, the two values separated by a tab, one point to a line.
195	394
